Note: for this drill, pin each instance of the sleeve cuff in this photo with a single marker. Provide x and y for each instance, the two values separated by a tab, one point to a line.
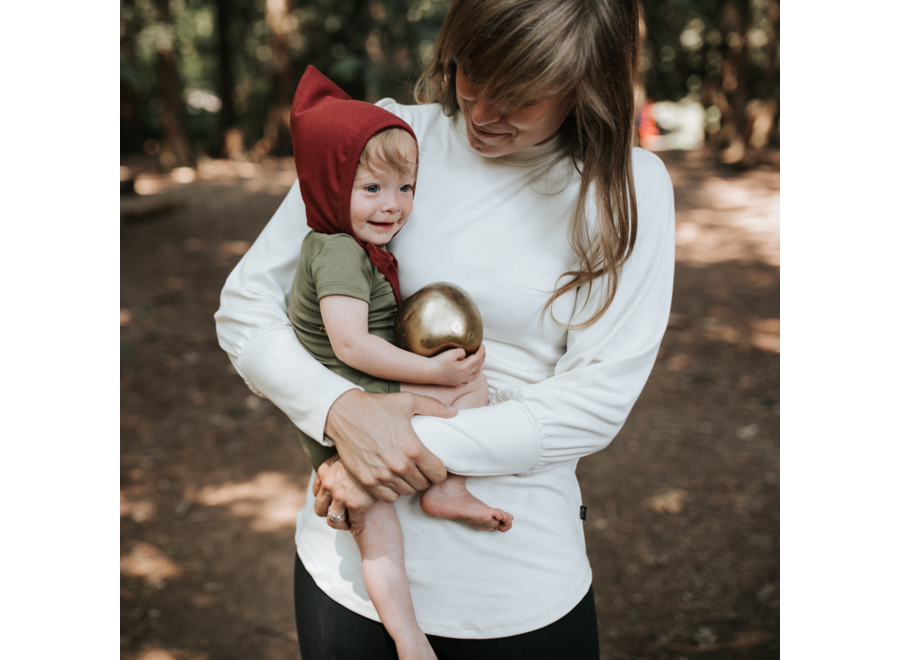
482	442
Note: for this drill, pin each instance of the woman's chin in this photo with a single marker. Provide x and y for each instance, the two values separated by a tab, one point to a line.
491	147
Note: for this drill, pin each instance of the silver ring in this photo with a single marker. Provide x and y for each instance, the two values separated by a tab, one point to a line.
334	518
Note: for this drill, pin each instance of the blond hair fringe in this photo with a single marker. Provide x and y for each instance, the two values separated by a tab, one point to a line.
391	149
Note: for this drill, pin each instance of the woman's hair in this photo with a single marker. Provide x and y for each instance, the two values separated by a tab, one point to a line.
518	50
390	149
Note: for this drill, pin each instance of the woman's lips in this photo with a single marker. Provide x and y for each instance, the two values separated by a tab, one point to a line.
485	134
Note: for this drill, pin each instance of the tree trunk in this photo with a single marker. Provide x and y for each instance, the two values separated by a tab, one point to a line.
130	136
389	48
176	148
130	133
774	66
277	132
735	80
227	115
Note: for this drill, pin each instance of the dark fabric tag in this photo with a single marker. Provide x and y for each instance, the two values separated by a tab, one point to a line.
584	513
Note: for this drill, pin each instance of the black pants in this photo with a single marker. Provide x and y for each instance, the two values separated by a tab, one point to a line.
329	631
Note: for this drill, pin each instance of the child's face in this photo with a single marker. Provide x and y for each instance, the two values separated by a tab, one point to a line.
380	203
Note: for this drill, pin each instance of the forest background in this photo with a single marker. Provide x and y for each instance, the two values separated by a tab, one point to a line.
683	509
215	78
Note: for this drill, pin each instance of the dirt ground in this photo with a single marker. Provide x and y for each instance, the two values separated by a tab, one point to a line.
683	507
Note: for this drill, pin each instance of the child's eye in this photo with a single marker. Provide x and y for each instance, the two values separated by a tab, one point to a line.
406	188
372	188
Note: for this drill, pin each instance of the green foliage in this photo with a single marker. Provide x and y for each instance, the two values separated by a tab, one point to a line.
686	43
376	48
372	49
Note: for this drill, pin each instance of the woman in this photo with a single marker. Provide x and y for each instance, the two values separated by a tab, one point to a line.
529	196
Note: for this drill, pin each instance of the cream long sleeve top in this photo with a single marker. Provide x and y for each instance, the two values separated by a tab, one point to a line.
498	228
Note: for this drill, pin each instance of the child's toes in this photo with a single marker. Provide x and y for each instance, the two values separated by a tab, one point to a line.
504	522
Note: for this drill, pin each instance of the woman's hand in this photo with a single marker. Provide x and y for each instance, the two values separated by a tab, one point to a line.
337	492
453	369
380	450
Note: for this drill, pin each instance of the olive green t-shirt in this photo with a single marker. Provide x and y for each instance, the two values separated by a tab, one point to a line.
335	264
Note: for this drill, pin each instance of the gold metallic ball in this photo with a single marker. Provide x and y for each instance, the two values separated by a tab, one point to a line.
438	317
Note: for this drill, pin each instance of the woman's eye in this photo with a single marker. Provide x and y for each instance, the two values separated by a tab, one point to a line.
372	188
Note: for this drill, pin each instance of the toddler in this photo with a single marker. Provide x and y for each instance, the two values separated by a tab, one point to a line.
356	165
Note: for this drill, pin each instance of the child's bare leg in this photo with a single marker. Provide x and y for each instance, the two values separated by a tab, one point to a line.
381	546
452	501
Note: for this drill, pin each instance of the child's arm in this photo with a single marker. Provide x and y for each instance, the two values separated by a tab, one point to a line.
347	324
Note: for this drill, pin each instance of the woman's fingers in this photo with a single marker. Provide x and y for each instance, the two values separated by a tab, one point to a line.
337	516
323	501
341	500
376	441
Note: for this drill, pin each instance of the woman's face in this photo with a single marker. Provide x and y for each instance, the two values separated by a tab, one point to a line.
493	132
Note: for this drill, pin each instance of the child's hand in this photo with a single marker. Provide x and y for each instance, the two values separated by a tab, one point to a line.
452	368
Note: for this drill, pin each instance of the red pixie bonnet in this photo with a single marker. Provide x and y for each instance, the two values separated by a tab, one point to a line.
329	131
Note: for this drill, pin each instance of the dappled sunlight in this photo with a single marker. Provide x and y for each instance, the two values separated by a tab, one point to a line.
137	510
273	176
745	233
149	185
764	334
767	335
234	248
159	653
270	500
671	501
183	175
723	218
148	562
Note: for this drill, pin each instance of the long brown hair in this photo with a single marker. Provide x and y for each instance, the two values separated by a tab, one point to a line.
513	49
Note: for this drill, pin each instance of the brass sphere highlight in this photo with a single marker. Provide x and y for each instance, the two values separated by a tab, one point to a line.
438	317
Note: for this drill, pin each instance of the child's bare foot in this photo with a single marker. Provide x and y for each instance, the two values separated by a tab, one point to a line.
450	500
416	648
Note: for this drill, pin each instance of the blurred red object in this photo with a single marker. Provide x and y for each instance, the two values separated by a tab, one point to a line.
646	122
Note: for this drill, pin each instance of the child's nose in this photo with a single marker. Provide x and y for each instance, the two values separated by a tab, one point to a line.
390	202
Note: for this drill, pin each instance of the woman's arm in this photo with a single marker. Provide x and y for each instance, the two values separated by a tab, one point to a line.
254	330
580	409
346	321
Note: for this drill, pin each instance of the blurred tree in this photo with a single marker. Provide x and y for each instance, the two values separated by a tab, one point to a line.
282	24
225	87
238	63
131	128
233	65
724	54
176	150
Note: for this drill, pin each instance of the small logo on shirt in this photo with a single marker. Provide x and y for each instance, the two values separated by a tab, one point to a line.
583	513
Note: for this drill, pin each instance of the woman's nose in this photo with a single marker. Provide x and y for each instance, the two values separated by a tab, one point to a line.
485	113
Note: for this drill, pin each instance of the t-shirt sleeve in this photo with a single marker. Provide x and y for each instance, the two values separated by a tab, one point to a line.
342	268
